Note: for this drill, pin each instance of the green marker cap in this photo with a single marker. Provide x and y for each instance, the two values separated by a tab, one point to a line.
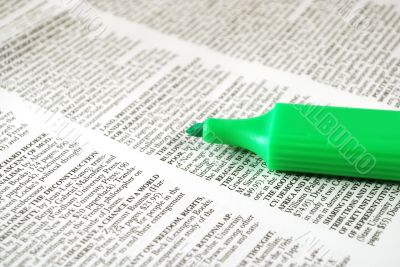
315	139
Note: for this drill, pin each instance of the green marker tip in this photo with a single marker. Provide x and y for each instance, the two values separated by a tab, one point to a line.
195	130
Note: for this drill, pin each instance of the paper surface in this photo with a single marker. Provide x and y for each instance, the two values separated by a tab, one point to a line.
95	166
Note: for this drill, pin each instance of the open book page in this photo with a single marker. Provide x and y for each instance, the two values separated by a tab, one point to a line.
96	169
92	202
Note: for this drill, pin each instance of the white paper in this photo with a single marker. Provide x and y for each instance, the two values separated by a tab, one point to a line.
96	169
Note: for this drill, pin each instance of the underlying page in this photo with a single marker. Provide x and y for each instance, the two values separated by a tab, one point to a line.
128	93
350	45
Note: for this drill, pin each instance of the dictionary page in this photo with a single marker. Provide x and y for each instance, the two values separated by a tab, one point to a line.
96	168
87	201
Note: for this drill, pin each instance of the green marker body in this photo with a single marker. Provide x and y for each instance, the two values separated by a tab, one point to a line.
316	139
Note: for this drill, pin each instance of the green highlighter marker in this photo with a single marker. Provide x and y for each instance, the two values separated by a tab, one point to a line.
315	139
